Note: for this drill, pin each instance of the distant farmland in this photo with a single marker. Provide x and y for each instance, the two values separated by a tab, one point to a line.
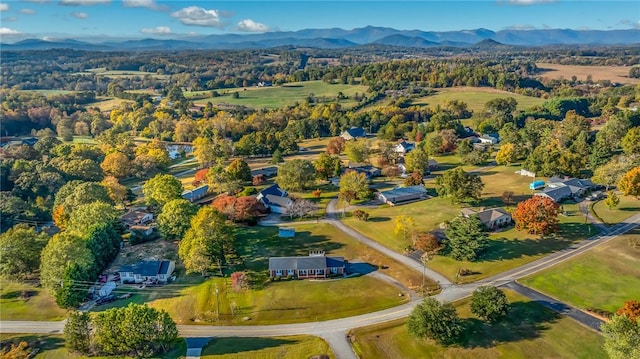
612	73
285	95
476	97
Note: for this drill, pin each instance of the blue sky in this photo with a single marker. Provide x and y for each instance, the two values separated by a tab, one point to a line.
157	18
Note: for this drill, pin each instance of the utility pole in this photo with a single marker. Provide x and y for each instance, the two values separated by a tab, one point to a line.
217	303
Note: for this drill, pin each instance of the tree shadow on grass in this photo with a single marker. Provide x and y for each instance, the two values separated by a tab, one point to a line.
42	342
525	321
505	249
379	219
221	346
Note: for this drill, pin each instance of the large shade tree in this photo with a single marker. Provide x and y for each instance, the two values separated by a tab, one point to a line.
20	247
296	175
537	215
161	189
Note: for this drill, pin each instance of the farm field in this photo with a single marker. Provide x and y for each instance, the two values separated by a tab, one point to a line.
529	331
290	347
603	278
285	95
107	103
101	71
476	97
627	207
51	92
53	347
612	73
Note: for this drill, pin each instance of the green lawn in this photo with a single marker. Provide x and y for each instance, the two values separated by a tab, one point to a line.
40	305
290	347
628	206
192	299
476	97
507	249
52	347
530	331
107	103
285	95
51	92
603	278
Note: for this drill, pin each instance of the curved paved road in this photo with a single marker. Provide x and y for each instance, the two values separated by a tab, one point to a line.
334	331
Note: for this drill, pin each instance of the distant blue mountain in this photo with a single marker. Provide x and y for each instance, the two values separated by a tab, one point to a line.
338	38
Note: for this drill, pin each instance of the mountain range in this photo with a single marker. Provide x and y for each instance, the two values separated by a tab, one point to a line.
340	38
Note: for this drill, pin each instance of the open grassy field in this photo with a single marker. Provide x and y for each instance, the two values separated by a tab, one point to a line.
611	73
285	95
508	249
290	347
476	97
51	92
107	103
529	331
52	347
604	278
40	305
101	71
192	298
628	207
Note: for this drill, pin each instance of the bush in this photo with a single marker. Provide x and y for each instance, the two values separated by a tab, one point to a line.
361	215
247	191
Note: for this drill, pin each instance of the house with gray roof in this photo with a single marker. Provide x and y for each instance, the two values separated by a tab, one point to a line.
316	265
353	133
275	199
147	271
196	193
492	218
560	189
268	172
400	195
403	147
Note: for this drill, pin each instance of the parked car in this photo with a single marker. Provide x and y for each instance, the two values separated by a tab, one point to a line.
125	296
108	299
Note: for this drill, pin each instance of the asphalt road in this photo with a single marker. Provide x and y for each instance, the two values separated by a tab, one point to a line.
334	331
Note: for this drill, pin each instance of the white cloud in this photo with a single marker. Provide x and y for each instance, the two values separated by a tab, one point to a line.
80	15
149	4
4	7
197	16
83	2
248	25
9	19
28	11
9	32
158	30
528	2
631	23
37	1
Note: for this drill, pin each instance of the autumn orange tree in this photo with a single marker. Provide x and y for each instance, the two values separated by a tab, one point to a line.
630	183
631	309
537	215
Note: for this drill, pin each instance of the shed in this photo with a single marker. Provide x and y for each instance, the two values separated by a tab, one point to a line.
286	232
536	185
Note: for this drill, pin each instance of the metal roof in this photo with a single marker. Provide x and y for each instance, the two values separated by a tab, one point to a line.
311	262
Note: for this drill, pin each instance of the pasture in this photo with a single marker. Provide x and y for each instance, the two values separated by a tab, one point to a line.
19	301
603	278
475	97
290	347
529	331
114	74
612	73
285	95
104	103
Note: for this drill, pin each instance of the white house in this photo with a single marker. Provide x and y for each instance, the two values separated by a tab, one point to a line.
488	139
404	147
147	271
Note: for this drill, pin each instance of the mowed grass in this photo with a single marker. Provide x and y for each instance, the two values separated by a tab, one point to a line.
529	331
507	249
192	299
285	95
53	347
603	278
289	347
627	207
122	73
52	92
611	73
476	97
40	305
107	103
